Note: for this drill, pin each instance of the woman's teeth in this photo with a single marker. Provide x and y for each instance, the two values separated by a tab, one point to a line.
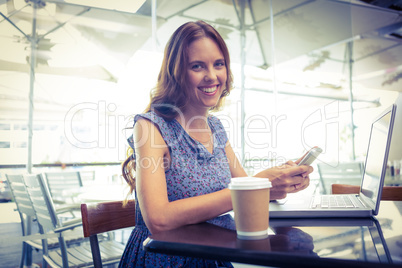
209	89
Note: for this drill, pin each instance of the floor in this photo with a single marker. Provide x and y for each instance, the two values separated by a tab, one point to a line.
11	249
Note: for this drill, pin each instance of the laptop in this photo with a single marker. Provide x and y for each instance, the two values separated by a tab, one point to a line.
364	204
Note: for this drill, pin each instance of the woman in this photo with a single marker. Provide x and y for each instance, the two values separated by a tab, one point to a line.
182	159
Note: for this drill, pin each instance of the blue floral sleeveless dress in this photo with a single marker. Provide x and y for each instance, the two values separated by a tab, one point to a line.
193	171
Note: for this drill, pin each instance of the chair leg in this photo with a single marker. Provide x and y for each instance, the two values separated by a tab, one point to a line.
23	255
23	243
26	258
28	255
28	248
96	256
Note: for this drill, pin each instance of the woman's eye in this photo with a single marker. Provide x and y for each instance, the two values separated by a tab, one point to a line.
220	64
196	66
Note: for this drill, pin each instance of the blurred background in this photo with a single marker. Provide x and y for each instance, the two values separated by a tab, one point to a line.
74	73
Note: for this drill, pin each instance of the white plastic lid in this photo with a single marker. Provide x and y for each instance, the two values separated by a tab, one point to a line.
249	183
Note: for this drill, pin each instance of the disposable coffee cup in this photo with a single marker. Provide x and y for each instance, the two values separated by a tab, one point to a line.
250	199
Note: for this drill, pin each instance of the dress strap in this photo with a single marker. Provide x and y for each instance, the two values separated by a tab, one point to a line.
219	131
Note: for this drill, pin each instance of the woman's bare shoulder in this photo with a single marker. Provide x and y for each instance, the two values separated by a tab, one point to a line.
148	133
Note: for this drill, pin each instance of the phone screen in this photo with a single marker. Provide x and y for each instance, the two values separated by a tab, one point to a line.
312	155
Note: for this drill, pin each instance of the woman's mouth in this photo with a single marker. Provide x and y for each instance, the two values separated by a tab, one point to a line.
210	91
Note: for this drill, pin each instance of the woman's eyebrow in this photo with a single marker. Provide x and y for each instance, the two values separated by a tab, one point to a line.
196	61
200	61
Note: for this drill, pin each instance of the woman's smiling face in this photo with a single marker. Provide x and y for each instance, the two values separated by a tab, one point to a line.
206	74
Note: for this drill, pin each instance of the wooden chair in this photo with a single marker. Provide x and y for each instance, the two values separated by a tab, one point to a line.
103	217
392	193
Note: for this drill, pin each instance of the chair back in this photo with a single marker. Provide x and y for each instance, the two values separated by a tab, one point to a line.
107	216
26	212
87	177
104	217
42	202
20	194
338	173
390	193
60	182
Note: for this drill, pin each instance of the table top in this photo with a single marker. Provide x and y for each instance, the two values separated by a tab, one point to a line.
365	242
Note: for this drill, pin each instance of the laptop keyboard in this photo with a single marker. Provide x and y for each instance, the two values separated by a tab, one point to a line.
333	201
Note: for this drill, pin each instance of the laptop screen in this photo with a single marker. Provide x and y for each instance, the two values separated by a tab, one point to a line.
377	156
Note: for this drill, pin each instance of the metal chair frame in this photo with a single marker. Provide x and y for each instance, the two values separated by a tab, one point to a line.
78	255
26	213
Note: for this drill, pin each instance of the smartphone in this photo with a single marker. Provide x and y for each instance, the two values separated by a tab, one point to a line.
310	156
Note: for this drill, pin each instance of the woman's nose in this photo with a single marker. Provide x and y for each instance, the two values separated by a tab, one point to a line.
210	75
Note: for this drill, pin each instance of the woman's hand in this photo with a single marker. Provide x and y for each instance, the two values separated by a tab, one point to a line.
287	178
